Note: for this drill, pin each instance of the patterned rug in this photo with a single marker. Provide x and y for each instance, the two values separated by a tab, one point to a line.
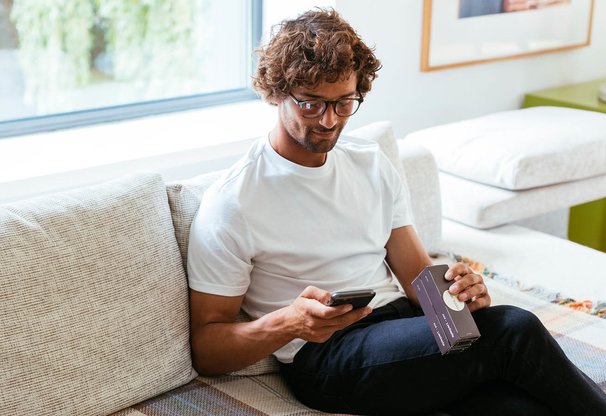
587	306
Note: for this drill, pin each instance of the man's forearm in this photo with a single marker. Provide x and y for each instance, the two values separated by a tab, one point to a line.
220	345
219	348
406	257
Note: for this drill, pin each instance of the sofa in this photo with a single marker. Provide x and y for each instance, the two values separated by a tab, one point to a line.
94	296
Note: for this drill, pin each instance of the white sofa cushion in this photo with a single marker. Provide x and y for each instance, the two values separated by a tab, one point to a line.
483	206
521	149
382	133
424	187
93	300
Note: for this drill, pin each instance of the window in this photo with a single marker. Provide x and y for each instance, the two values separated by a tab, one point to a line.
69	63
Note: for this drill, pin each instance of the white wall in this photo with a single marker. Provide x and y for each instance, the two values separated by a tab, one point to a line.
412	99
274	11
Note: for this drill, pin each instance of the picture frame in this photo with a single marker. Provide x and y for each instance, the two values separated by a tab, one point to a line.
452	39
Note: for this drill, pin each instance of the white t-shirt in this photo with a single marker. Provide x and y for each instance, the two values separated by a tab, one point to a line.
269	227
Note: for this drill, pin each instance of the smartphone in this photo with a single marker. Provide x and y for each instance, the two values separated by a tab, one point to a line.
357	298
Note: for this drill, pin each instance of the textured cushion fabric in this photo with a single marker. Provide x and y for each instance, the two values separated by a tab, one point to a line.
521	149
93	300
184	200
483	206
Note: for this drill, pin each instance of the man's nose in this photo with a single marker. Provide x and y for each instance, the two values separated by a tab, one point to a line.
329	118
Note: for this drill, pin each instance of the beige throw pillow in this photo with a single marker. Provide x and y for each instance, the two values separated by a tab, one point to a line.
93	300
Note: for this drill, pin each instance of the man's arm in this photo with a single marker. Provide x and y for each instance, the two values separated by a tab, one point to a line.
406	257
220	345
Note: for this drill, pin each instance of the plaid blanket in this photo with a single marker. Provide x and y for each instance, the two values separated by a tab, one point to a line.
581	335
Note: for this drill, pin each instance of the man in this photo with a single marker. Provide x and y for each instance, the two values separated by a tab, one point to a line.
306	212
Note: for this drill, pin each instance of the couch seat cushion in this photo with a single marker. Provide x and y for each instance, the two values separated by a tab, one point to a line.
93	300
521	149
483	206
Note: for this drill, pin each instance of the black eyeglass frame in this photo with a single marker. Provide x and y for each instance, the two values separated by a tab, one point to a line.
300	104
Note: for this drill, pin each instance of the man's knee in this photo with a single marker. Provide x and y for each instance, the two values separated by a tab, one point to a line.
507	319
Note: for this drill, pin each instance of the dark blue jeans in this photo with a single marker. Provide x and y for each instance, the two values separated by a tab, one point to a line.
389	364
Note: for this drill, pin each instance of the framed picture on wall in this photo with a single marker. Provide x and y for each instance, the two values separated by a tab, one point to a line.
466	32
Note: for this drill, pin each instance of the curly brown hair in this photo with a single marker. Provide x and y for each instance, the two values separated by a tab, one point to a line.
318	46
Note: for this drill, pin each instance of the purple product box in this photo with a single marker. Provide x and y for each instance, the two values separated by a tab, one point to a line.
432	318
453	316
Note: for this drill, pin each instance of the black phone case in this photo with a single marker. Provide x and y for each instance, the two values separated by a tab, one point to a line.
357	301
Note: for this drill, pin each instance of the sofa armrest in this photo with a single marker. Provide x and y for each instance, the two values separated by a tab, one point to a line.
421	172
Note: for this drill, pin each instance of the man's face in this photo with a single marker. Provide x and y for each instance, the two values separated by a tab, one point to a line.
316	135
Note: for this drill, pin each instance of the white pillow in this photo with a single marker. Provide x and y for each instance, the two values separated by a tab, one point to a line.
94	302
382	133
521	149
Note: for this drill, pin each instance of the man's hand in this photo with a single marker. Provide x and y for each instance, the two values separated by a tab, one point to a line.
310	319
469	287
220	345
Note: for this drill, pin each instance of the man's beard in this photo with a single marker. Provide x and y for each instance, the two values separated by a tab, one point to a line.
319	144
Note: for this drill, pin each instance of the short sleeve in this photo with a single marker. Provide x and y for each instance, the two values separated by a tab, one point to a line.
219	259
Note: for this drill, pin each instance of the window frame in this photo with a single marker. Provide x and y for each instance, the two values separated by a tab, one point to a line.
80	118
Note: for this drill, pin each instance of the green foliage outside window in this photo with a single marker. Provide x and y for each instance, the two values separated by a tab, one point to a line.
55	40
63	41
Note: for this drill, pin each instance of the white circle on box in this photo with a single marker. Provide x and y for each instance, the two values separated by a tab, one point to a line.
452	302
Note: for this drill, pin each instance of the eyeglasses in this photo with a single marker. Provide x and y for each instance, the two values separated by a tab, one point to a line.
344	107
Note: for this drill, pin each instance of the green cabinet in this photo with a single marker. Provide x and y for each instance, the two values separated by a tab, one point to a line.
587	224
